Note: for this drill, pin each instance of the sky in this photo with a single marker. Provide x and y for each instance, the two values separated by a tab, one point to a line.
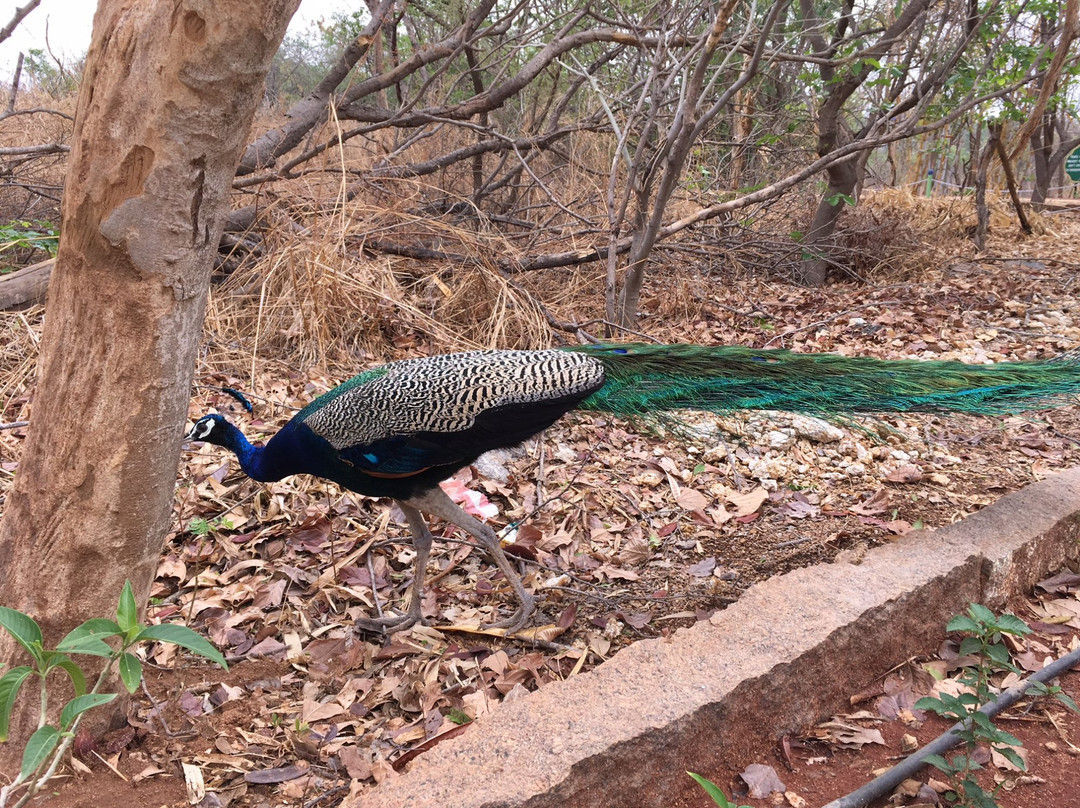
68	23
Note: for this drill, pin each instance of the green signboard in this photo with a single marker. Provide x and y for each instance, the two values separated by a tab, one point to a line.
1072	165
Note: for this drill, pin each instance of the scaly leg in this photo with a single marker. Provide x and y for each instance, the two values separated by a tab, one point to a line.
421	538
436	503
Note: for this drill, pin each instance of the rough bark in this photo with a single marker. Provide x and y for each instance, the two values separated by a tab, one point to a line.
982	212
1042	146
169	91
842	178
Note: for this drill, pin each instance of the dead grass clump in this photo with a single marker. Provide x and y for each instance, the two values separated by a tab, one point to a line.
20	334
319	298
877	239
893	231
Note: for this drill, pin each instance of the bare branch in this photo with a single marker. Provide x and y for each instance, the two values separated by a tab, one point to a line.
18	17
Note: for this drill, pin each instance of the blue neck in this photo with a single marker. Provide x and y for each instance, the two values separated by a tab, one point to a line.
257	463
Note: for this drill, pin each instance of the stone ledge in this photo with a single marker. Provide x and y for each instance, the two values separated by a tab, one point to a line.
790	651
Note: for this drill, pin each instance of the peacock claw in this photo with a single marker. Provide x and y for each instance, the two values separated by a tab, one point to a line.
516	622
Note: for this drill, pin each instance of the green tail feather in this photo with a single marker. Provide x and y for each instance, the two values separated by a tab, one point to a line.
643	379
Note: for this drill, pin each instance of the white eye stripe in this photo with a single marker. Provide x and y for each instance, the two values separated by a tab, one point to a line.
202	429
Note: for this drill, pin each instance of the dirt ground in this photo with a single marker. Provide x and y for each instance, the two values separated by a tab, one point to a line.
625	531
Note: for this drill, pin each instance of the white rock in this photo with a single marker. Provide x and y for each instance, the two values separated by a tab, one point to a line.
780	440
815	429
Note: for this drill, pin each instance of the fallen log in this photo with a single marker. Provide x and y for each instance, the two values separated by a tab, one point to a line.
25	287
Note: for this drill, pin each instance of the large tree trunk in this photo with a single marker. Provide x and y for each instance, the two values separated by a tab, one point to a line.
168	94
817	245
982	212
1042	146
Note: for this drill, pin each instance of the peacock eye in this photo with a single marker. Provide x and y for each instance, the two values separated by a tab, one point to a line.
203	429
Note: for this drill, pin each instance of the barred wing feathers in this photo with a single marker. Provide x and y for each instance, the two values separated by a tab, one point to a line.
409	416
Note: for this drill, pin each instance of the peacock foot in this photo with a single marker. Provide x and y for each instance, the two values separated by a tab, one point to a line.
518	619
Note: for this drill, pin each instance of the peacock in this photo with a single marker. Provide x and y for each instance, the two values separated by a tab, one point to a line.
400	429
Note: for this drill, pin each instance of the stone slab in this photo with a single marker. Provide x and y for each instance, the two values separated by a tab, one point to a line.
788	653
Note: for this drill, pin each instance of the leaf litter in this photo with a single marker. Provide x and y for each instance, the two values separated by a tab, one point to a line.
623	534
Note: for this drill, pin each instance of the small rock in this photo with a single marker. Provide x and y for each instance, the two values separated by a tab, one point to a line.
815	429
794	800
908	744
1053	747
780	440
855	469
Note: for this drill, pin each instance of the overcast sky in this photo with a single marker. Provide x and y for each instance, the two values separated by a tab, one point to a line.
68	23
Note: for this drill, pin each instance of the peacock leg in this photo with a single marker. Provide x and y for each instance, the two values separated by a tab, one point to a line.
436	503
421	538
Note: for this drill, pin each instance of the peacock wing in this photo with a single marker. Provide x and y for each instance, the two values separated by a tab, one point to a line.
493	428
446	410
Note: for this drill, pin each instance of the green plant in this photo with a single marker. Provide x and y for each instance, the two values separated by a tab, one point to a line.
983	641
34	235
50	743
714	791
199	526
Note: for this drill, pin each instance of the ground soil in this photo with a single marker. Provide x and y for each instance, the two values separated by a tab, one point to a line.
818	770
629	531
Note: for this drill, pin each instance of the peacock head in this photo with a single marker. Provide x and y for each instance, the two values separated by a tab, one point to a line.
212	429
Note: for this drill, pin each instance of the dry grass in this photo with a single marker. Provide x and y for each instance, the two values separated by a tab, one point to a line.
31	187
317	298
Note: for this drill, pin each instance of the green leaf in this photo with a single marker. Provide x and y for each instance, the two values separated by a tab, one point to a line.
981	614
127	613
970	646
458	716
89	638
23	628
80	704
712	790
1011	624
940	763
38	748
934	705
998	652
1012	756
185	638
10	683
962	623
1006	738
78	678
975	795
1065	699
130	671
89	645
